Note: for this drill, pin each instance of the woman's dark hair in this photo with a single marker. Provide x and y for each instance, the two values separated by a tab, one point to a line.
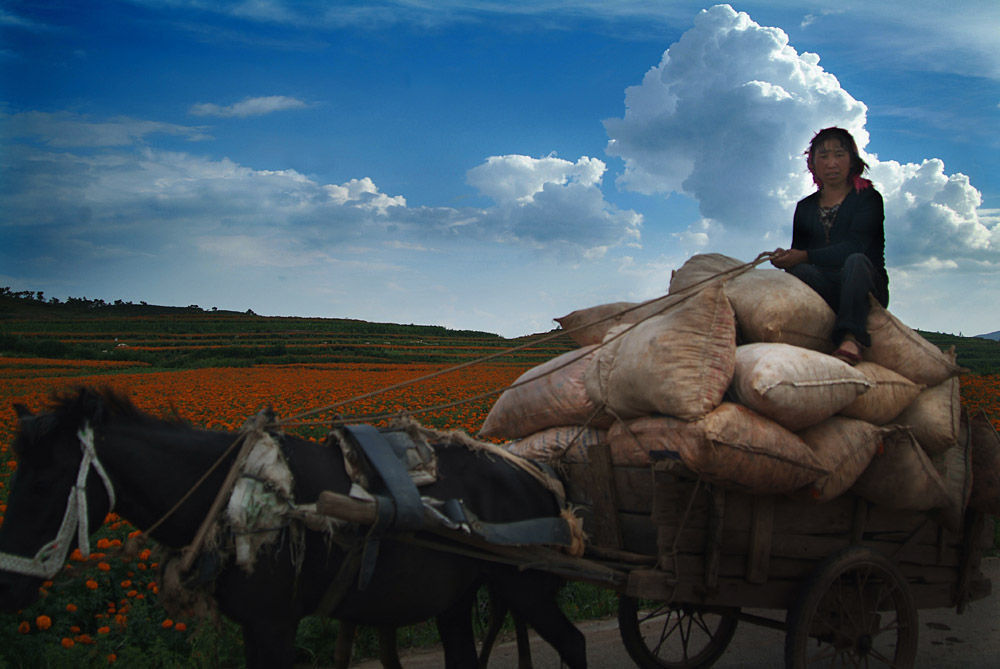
844	138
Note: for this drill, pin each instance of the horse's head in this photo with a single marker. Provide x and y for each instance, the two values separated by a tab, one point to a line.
56	494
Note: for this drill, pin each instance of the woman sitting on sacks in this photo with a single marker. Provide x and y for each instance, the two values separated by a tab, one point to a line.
838	240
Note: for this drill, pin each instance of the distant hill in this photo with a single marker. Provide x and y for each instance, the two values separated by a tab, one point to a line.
192	336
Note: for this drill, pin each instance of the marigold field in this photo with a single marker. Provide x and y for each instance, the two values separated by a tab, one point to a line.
103	610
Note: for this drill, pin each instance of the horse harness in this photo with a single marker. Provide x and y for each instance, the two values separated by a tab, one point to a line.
402	509
391	464
50	558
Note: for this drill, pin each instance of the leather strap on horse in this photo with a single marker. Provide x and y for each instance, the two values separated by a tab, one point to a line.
408	510
402	510
547	530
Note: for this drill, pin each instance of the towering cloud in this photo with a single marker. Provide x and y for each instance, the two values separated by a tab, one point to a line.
724	118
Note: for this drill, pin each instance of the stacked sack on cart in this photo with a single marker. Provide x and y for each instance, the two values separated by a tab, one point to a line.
731	374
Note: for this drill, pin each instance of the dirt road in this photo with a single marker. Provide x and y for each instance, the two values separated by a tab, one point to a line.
947	641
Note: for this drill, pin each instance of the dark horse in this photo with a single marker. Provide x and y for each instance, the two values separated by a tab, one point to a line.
149	463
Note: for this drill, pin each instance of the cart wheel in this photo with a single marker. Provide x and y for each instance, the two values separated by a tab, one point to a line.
676	636
855	610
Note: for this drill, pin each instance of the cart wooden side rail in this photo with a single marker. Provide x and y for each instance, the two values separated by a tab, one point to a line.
687	558
850	575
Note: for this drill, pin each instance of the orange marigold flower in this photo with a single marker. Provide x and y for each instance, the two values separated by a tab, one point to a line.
104	630
84	639
104	566
43	622
76	555
75	629
167	624
126	583
134	533
71	608
121	620
91	584
47	584
131	593
144	555
67	642
112	658
24	627
180	627
103	544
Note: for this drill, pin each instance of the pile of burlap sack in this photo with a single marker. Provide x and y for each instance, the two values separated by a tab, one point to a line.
731	373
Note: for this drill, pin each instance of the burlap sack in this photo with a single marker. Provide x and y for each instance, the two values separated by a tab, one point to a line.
549	445
985	444
589	326
902	476
631	442
794	386
774	306
554	396
934	416
955	468
701	270
886	399
737	448
677	364
905	352
845	447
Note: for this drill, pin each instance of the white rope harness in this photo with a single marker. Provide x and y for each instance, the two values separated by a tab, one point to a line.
50	557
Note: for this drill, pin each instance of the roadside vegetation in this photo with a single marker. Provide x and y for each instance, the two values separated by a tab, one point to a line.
216	369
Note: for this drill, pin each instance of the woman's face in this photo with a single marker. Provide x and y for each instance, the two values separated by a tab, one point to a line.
831	163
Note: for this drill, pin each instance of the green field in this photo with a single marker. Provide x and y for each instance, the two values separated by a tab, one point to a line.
191	337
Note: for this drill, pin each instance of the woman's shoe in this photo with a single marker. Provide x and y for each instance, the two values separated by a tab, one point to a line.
847	355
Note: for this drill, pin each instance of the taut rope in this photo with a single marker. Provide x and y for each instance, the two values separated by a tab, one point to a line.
671	300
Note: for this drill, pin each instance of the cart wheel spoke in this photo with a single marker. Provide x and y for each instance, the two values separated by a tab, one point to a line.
673	635
858	607
883	660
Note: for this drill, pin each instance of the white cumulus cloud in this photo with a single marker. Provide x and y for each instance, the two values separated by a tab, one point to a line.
725	117
552	202
517	179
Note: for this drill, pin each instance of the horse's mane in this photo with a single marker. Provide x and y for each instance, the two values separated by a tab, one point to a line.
97	406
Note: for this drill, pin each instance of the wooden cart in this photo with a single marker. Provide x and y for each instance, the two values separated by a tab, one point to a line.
849	575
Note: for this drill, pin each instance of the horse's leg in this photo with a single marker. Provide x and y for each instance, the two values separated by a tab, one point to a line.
457	637
498	612
270	644
345	644
388	653
532	598
523	645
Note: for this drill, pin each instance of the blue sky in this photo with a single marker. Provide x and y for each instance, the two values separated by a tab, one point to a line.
482	165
